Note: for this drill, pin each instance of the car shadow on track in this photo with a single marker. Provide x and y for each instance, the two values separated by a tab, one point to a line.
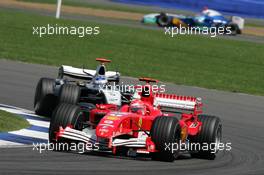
139	157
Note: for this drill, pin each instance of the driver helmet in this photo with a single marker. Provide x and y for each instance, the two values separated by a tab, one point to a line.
100	80
138	107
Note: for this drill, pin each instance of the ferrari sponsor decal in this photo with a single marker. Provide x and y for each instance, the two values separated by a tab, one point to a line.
105	125
121	128
194	125
140	122
108	122
112	118
118	114
101	130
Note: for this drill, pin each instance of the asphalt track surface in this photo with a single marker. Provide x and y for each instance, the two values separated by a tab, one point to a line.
241	115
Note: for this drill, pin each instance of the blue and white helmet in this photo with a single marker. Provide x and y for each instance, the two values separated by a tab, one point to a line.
100	80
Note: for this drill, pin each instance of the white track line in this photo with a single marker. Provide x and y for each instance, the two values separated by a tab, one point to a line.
25	132
44	124
16	110
31	133
8	143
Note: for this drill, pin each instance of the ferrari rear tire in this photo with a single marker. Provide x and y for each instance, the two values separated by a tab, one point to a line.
69	93
210	135
45	100
63	116
166	134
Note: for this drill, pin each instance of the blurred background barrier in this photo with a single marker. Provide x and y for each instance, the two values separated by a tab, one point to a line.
248	8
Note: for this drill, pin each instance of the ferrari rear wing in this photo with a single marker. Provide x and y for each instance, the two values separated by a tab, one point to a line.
86	74
178	102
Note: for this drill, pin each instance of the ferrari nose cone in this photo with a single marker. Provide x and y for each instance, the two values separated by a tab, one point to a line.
107	126
104	131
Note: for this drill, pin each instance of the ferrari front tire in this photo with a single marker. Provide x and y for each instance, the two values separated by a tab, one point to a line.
165	132
63	116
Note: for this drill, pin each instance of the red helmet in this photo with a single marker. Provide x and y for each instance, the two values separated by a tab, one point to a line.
137	106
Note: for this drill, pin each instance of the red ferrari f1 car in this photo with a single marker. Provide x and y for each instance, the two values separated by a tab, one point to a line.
157	124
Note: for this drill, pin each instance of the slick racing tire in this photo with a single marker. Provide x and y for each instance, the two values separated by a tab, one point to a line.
165	132
69	93
210	134
164	20
45	100
65	115
233	28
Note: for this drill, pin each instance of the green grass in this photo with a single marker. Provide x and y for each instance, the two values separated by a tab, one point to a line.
248	23
11	122
190	60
